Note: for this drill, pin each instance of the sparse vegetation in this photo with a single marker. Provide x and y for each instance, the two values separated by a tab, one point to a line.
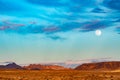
57	75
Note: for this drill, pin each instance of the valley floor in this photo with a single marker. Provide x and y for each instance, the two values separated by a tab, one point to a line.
57	75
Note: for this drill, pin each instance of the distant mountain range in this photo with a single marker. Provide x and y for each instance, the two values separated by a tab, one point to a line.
110	65
68	64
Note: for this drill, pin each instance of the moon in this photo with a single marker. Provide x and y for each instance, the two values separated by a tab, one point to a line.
98	32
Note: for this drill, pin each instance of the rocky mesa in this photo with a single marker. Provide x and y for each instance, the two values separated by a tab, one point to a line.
111	65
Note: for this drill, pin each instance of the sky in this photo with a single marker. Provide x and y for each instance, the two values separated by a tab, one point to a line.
33	31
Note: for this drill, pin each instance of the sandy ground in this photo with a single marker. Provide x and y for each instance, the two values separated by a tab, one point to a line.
57	75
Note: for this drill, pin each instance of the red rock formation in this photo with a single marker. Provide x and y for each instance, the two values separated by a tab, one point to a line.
44	67
113	65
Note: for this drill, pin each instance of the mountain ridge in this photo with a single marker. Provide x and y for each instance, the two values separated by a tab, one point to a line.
107	65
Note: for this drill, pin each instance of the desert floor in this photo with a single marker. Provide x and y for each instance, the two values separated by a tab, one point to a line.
57	75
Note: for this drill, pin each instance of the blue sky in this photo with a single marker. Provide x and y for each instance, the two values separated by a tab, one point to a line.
58	30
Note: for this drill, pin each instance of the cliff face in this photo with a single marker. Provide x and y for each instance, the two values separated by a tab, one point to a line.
113	65
44	67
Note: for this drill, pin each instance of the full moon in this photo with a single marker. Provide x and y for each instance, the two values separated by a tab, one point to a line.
98	32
